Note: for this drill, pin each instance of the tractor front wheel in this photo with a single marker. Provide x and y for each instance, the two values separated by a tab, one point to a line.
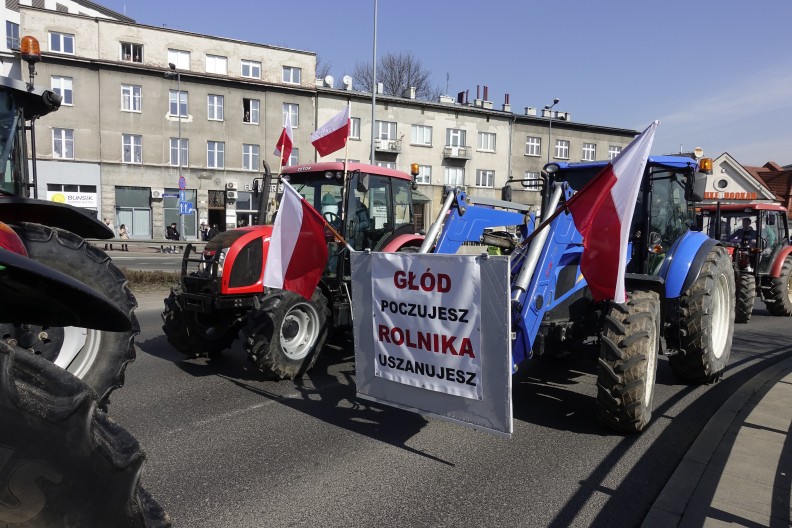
780	298
284	337
746	294
196	334
630	345
705	322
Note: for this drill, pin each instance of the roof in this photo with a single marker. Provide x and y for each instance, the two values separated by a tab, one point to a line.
351	166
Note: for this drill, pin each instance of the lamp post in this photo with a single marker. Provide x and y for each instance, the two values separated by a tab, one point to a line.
170	75
549	109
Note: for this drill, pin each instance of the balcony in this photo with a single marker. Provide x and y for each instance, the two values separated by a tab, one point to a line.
458	153
392	146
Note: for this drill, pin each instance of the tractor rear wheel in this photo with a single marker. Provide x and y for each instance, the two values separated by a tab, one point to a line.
746	294
63	462
780	298
705	322
630	345
97	357
197	334
284	337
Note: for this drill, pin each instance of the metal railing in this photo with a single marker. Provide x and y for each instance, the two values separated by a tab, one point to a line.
157	245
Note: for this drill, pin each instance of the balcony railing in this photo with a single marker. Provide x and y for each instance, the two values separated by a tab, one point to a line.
388	145
456	152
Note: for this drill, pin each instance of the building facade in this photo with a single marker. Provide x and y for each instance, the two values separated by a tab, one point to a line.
144	106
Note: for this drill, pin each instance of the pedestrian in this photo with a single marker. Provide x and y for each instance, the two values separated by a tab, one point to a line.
212	232
110	225
172	234
123	235
204	232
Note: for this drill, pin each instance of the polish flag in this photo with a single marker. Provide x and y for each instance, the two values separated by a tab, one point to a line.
298	251
603	212
286	141
332	136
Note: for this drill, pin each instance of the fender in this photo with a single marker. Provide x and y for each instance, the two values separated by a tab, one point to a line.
402	241
775	271
15	209
684	260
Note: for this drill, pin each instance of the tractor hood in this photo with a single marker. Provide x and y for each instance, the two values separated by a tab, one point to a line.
241	254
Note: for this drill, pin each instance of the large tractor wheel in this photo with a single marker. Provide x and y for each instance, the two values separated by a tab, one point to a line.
746	294
630	345
197	334
705	323
95	356
779	300
63	462
284	338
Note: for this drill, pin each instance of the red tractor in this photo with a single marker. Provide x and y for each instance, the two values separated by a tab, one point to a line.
221	293
757	235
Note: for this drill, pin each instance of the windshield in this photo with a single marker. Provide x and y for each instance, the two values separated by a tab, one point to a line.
12	146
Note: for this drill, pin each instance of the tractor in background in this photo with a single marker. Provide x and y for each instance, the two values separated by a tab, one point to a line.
757	236
220	293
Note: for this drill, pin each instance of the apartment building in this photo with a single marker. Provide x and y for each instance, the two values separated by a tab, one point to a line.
145	105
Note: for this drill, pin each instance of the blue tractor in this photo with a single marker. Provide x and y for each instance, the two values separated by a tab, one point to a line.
680	284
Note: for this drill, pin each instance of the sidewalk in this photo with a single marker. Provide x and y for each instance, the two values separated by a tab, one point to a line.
738	472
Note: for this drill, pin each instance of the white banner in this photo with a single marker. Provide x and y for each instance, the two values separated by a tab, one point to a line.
427	323
77	199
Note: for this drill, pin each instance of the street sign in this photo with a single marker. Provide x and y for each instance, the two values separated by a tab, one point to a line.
185	208
182	183
182	196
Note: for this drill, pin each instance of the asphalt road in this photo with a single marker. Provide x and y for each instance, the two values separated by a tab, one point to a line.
227	448
147	261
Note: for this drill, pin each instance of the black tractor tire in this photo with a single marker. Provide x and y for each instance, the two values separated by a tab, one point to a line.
100	357
629	346
285	337
779	300
746	295
196	334
63	462
705	322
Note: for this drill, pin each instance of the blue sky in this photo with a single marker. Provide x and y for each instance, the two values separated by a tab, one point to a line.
717	74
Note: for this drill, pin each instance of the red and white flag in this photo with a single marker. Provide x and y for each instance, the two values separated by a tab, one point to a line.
298	251
332	135
286	142
603	212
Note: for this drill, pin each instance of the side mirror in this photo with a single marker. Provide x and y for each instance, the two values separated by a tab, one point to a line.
695	187
506	193
363	183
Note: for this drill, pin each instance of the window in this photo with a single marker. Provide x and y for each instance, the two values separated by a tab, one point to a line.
455	137
454	176
63	87
385	130
179	58
12	35
178	103
294	110
291	75
535	183
294	159
421	135
562	149
216	64
176	152
485	178
251	69
486	141
354	128
424	175
250	157
613	151
215	154
589	151
130	98
62	143
387	164
250	108
214	111
132	148
131	52
61	42
533	146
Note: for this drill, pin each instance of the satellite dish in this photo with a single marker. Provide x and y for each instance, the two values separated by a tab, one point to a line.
329	80
347	81
698	152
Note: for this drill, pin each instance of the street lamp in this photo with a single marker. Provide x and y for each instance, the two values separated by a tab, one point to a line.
549	108
170	75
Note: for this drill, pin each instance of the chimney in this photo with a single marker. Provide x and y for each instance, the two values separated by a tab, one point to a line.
506	105
530	111
380	88
477	100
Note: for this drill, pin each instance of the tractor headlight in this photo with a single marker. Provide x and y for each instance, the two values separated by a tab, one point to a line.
220	260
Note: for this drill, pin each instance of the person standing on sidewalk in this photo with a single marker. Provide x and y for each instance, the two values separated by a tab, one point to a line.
123	235
110	225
